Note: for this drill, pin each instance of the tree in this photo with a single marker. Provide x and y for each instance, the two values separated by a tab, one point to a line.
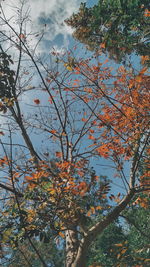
24	255
101	251
117	27
78	110
118	244
137	236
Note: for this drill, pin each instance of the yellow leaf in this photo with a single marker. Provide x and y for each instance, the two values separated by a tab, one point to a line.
52	191
69	68
138	79
6	235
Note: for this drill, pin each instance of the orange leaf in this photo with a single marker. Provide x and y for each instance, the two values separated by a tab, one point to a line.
144	59
58	154
29	178
119	245
106	60
89	213
102	45
83	119
61	234
147	13
92	210
98	208
143	71
53	131
91	137
94	123
123	251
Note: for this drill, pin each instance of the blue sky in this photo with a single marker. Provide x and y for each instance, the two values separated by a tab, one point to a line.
57	35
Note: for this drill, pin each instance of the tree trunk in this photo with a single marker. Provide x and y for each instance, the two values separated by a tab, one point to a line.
76	251
71	246
81	256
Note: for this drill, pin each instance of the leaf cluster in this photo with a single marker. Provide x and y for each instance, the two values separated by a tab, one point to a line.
119	27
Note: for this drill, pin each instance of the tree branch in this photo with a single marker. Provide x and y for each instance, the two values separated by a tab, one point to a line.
10	189
97	229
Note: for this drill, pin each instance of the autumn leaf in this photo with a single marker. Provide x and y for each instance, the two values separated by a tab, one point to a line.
58	154
138	78
53	131
48	80
22	36
102	45
69	68
147	13
99	208
118	256
91	137
144	59
9	101
3	108
61	235
118	245
37	101
142	71
123	251
88	90
89	213
92	210
64	134
91	130
52	191
84	119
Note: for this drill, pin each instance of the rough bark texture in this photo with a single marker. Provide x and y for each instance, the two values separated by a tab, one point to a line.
71	246
80	260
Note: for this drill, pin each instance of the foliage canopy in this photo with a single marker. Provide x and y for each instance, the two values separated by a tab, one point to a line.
117	27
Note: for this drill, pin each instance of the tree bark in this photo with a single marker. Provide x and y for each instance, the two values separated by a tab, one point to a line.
71	246
81	256
26	137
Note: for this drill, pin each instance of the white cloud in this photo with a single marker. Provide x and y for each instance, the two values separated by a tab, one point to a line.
54	12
